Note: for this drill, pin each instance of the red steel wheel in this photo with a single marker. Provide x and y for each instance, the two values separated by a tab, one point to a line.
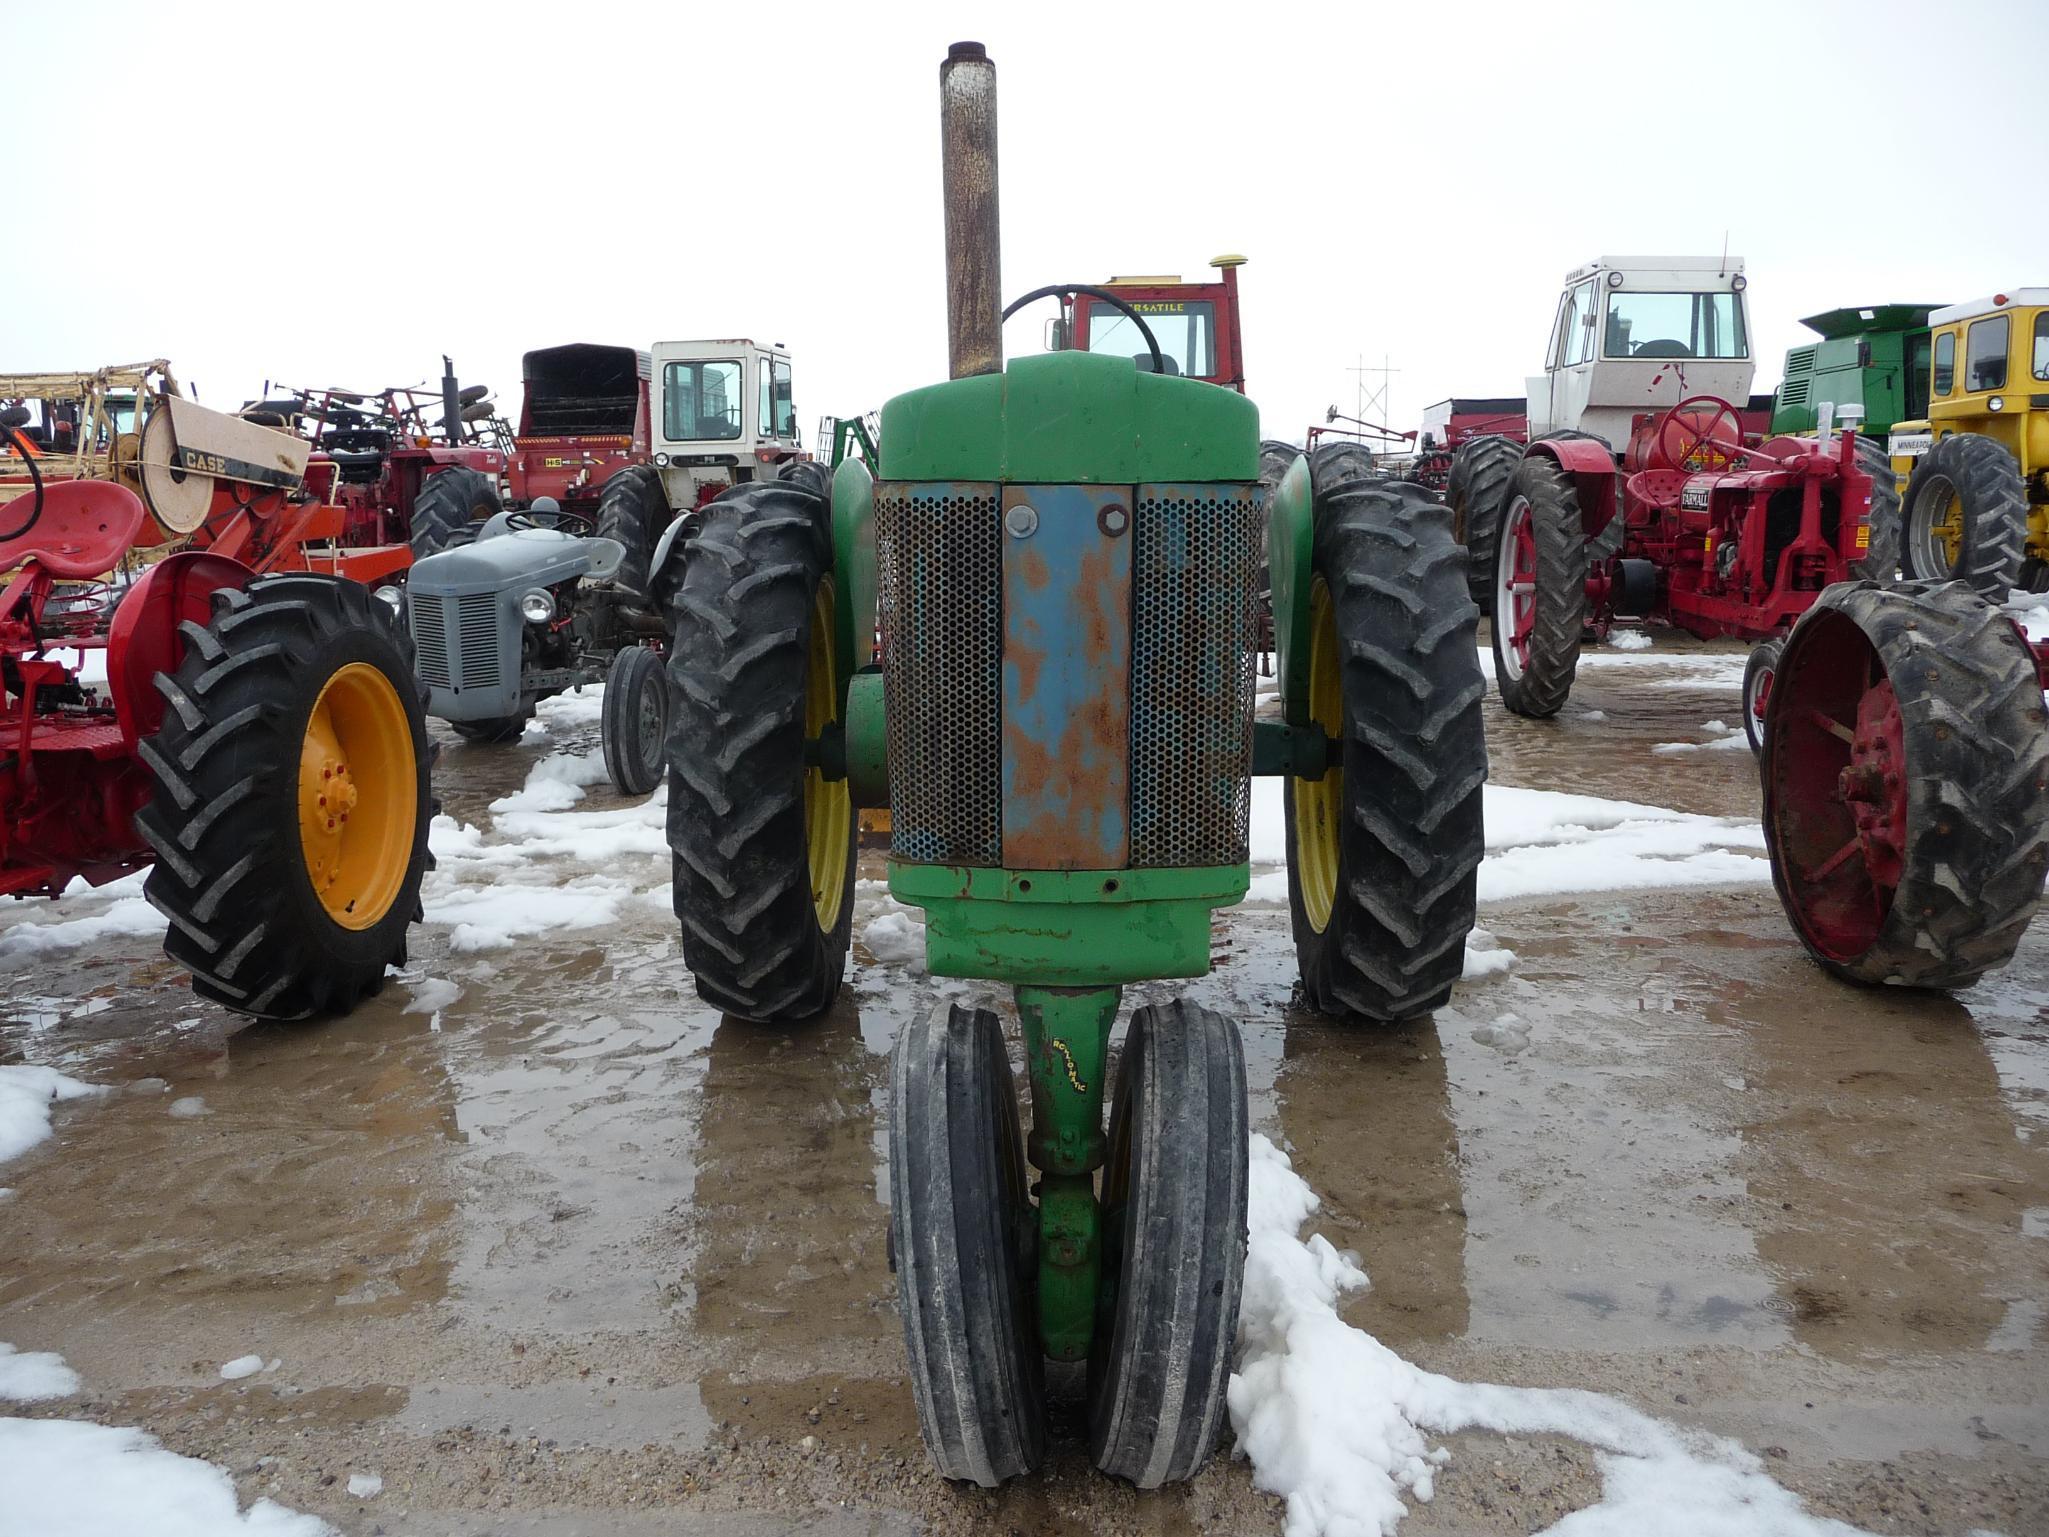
1906	783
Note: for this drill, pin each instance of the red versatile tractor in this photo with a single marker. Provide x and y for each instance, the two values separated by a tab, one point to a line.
399	478
255	739
1693	524
1906	782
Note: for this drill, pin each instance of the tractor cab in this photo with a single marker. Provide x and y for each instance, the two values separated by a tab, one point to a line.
1638	334
723	413
1195	324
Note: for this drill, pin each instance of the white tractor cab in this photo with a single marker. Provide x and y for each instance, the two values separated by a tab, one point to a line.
723	415
1641	333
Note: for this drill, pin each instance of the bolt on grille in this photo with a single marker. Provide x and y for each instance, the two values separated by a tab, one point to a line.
476	665
1193	571
430	638
939	560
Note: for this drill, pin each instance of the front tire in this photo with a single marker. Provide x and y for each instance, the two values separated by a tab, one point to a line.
1477	491
1174	1205
1760	675
1540	590
959	1207
1383	850
1905	765
1966	516
291	798
634	509
636	721
763	843
449	506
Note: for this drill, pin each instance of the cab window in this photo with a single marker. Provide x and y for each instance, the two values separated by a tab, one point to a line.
1985	347
766	423
1674	325
1576	333
2042	345
785	417
1945	362
1917	377
1184	328
701	401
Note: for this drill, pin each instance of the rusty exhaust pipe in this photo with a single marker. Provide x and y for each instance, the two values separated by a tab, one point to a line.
974	257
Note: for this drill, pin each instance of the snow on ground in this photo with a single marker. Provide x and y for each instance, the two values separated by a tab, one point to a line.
69	1478
126	917
30	1376
1340	1426
1549	842
26	1094
1486	956
1629	640
240	1367
366	1486
555	783
1720	736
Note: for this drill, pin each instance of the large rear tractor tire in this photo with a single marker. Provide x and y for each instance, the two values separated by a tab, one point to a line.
959	1210
1174	1198
1906	784
291	798
1482	473
634	509
1383	850
635	726
763	842
1880	561
1540	590
1966	516
450	505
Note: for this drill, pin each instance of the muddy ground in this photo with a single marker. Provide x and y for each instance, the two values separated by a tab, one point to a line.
579	1255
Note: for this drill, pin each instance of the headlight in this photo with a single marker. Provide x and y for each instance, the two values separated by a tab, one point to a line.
392	596
536	607
1614	279
1996	403
661	461
1739	282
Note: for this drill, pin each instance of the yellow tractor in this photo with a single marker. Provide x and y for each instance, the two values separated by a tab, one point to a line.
1977	470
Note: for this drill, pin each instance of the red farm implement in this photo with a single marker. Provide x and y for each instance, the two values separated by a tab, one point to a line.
235	716
400	477
583	419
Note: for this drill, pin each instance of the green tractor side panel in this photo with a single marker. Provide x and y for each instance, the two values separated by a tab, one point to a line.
1868	357
853	560
1290	532
1071	418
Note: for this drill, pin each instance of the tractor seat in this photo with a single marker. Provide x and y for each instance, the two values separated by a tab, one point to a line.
1663	347
1144	360
85	528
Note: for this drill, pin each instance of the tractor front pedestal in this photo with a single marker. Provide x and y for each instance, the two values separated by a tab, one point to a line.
1066	1048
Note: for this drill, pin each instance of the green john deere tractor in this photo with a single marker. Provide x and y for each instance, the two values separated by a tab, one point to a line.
1059	557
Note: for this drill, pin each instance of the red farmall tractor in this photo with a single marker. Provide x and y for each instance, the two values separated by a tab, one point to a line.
1906	782
1694	523
236	716
401	478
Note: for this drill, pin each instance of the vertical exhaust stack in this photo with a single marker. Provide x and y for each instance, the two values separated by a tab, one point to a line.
451	403
974	275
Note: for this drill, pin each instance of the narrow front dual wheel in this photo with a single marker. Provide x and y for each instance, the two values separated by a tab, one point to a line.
963	1233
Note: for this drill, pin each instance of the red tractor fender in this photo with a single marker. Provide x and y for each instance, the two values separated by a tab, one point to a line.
1591	464
467	455
144	640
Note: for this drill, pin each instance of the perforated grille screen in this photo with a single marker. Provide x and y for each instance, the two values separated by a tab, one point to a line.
1192	634
1195	552
939	559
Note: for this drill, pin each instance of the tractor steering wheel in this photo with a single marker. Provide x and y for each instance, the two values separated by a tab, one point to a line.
10	419
561	520
1691	435
1066	290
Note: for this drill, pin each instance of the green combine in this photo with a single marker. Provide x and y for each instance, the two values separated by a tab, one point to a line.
1873	360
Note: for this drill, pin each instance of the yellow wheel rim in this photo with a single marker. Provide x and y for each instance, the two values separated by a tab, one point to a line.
1320	803
1948	529
828	805
358	796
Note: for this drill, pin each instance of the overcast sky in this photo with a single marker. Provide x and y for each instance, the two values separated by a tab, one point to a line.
341	192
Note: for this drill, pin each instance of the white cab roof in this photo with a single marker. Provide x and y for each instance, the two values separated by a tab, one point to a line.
1990	304
1660	268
